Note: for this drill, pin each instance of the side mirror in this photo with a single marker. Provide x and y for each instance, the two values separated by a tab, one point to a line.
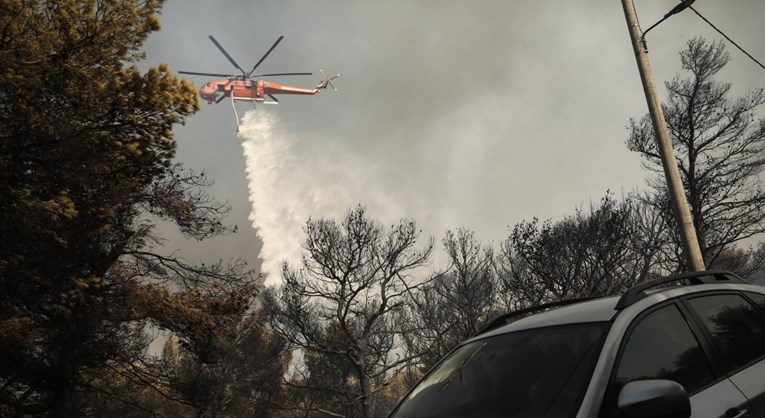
654	399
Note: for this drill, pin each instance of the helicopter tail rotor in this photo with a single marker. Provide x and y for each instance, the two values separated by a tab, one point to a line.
326	82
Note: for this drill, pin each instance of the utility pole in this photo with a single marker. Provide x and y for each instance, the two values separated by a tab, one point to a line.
664	143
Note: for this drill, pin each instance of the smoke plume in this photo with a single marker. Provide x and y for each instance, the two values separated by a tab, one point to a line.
290	182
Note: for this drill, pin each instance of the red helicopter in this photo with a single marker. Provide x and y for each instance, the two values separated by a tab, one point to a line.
248	87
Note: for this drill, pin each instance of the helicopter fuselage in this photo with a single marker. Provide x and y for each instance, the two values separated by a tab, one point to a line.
252	90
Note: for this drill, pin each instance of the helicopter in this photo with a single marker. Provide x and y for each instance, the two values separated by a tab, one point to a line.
250	87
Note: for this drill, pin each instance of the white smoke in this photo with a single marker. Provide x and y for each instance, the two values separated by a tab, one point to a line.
290	182
293	178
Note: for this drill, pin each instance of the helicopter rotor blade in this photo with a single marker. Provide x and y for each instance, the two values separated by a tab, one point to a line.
273	98
226	54
266	54
330	81
206	74
279	74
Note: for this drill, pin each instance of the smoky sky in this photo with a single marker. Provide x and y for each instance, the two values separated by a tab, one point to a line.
475	114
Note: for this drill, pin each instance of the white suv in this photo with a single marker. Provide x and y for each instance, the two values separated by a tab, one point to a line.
695	350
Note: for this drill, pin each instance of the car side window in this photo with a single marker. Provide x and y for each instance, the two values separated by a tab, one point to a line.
660	346
736	326
757	298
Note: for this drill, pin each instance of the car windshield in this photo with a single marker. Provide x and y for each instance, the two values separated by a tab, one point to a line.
528	374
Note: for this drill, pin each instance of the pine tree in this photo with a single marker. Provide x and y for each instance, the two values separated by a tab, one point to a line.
86	150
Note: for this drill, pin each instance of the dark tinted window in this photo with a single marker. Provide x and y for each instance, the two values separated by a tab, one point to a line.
531	374
757	298
736	326
660	346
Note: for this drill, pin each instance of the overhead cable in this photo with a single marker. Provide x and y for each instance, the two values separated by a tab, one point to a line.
726	37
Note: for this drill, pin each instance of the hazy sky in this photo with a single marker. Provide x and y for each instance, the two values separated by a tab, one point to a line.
454	113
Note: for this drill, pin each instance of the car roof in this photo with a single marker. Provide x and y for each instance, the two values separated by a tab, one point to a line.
596	310
605	309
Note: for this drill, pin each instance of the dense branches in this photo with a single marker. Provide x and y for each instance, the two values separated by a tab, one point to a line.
86	150
456	303
593	253
340	307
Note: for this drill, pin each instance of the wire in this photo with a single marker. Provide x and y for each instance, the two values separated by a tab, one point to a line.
684	4
642	37
726	37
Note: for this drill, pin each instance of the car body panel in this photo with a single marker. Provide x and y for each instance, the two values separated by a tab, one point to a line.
750	381
719	401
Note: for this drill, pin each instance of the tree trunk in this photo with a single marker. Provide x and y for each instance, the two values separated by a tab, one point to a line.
61	401
366	409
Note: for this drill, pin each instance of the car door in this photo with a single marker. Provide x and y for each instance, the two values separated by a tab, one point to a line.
660	344
736	328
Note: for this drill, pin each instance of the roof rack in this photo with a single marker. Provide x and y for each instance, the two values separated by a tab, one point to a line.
503	319
637	292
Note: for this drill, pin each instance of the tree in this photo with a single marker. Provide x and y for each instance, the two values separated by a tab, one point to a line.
748	263
720	151
340	307
244	382
455	304
86	150
595	253
324	382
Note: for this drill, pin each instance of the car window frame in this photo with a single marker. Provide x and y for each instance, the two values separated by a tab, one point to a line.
703	342
747	295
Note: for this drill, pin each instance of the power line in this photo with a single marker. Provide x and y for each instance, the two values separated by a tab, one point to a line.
726	37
